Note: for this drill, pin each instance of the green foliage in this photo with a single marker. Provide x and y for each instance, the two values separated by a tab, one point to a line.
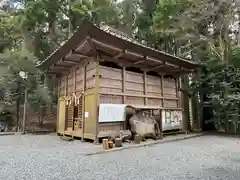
96	11
219	84
12	85
236	57
203	31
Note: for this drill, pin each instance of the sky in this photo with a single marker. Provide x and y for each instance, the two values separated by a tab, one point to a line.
2	1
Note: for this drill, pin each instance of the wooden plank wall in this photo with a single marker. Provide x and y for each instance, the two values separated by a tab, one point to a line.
154	89
157	92
110	85
170	93
69	83
117	87
134	86
90	75
74	81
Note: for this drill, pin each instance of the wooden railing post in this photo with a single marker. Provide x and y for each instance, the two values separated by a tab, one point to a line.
145	87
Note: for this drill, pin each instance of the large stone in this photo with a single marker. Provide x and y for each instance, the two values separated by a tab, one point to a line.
118	142
137	139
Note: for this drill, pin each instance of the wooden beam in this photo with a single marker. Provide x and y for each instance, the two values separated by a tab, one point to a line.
62	66
141	60
147	58
120	63
168	69
138	95
81	45
138	62
134	54
138	55
172	65
69	61
119	55
54	72
92	45
180	70
79	62
123	63
80	54
58	68
153	60
156	67
106	45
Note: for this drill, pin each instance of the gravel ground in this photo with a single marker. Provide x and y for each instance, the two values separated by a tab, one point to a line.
46	157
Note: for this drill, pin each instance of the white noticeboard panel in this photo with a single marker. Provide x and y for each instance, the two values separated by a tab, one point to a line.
111	112
171	119
86	114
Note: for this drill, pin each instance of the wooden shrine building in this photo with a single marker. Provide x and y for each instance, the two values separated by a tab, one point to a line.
101	65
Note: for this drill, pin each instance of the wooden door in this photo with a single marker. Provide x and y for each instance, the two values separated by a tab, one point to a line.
90	116
78	114
70	116
61	116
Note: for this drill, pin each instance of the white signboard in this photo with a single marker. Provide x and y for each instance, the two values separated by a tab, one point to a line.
111	112
86	114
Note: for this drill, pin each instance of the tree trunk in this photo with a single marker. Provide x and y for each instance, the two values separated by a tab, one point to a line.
18	113
238	35
28	43
52	34
185	103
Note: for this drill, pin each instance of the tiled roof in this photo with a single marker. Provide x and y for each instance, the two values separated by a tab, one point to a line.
87	27
117	33
126	37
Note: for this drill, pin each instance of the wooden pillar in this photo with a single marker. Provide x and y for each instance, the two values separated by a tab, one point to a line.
59	87
74	80
65	94
96	93
178	86
74	91
58	101
66	84
145	87
124	84
83	99
162	88
124	92
54	80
